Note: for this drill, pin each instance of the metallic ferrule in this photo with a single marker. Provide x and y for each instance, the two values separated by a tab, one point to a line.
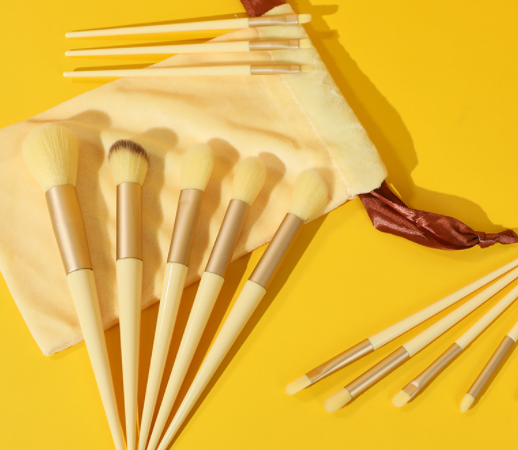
275	45
377	372
69	228
340	361
129	221
263	21
226	240
503	349
434	369
184	226
274	70
276	250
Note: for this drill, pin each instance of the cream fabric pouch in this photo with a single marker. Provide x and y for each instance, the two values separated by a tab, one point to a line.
292	122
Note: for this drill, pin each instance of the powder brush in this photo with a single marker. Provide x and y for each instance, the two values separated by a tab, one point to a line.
197	165
51	152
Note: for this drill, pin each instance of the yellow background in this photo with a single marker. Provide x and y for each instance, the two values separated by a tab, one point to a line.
434	84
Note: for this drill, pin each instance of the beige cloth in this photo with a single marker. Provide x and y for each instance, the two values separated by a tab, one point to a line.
292	122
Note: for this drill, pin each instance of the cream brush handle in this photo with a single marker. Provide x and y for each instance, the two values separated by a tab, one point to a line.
513	334
84	295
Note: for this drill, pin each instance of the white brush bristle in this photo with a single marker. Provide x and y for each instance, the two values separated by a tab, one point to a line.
400	399
197	165
248	180
305	43
337	400
304	18
296	386
466	402
309	194
129	162
51	152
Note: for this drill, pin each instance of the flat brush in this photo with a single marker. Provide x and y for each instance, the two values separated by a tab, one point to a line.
197	165
415	345
129	163
211	47
51	152
387	335
309	195
248	181
420	383
225	24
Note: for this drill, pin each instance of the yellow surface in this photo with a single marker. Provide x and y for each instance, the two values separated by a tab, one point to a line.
434	84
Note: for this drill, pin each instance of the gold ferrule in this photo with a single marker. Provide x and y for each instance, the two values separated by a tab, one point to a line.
434	369
274	70
340	361
69	228
377	372
276	250
275	45
227	237
184	226
503	349
129	221
263	21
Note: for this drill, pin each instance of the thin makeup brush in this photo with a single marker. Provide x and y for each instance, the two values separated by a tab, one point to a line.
387	335
415	345
309	195
248	181
205	71
129	163
420	383
484	379
210	47
51	152
225	24
197	165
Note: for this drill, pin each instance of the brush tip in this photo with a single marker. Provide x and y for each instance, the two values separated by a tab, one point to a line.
309	194
248	180
337	400
129	162
466	403
197	165
305	43
304	18
296	386
400	399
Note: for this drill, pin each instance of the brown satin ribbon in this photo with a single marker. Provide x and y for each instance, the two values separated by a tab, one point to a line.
259	7
390	215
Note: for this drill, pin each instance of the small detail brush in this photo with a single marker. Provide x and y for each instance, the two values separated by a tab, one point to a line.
415	345
387	335
129	163
197	165
420	383
225	24
51	152
309	195
248	181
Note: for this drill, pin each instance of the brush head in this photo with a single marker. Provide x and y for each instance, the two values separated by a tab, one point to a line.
129	162
400	399
466	402
248	180
297	385
309	194
304	18
51	152
197	165
337	400
305	43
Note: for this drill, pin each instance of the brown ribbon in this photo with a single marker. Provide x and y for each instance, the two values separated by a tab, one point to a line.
390	215
259	7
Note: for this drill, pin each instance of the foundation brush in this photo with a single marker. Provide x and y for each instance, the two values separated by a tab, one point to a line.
197	165
309	195
129	163
248	181
51	152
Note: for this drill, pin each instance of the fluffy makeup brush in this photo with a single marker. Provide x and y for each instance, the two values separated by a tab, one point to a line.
51	152
197	165
248	181
309	195
415	345
129	163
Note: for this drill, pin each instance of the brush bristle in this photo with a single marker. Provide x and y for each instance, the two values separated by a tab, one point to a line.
51	152
305	43
129	162
337	400
296	386
400	399
197	165
309	194
248	180
304	18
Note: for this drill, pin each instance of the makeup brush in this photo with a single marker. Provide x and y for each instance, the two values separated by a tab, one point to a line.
197	164
210	47
484	379
248	181
409	349
225	24
420	383
51	152
378	340
129	163
309	195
